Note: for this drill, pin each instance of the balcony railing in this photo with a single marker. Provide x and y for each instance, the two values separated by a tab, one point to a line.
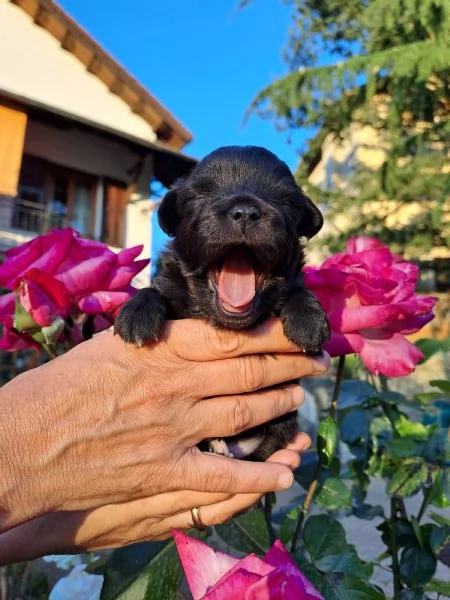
36	217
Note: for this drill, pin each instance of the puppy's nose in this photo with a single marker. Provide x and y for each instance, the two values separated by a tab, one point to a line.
244	212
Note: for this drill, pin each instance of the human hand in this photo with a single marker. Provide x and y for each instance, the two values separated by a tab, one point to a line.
117	525
110	423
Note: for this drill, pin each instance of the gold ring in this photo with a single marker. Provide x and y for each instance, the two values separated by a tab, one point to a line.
197	520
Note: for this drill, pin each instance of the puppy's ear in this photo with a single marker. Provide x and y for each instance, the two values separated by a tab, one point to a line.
312	219
168	212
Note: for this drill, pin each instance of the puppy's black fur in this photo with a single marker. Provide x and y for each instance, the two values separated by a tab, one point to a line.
235	260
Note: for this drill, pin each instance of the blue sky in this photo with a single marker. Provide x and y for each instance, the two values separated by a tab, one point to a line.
205	60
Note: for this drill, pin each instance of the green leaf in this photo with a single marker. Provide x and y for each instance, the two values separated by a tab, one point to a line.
440	492
404	533
288	526
407	428
438	586
427	397
327	440
440	543
354	392
417	530
417	566
442	384
247	533
429	347
307	470
325	583
401	448
354	426
393	397
22	319
353	588
440	519
324	539
412	595
368	511
143	572
332	494
411	475
339	587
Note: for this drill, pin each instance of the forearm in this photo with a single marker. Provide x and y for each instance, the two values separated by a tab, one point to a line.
21	494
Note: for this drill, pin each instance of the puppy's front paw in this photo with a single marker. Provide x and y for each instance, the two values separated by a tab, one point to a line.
305	323
141	318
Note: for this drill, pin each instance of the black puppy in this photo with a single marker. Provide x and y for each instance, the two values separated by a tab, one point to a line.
235	260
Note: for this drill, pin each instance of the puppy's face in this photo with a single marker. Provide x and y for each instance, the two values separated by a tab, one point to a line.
236	223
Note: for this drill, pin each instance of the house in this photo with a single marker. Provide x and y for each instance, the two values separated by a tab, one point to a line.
332	169
80	139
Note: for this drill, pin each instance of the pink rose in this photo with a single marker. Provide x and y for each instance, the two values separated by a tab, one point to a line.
60	275
369	296
214	575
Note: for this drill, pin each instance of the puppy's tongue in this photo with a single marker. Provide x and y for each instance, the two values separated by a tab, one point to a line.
237	282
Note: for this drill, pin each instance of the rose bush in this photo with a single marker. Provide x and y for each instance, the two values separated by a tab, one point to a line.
58	282
214	575
369	296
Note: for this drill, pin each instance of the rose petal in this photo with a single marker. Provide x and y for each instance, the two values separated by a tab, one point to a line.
280	558
347	320
202	565
88	276
235	586
360	243
388	353
128	255
102	302
124	274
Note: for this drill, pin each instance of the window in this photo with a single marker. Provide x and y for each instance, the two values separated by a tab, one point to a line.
50	196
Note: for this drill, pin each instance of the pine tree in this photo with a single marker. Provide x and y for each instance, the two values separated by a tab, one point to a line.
385	64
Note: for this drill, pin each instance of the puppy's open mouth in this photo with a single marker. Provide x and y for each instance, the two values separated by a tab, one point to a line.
237	277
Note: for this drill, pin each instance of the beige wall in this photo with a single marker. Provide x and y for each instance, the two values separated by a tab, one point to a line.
34	66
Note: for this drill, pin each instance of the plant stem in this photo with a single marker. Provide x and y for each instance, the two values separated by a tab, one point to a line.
383	383
401	508
313	485
337	386
267	509
423	506
394	550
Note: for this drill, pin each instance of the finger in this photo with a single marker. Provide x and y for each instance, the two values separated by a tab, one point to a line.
301	443
195	340
251	373
234	414
207	472
213	514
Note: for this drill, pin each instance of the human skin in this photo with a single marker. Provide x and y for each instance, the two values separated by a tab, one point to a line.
110	423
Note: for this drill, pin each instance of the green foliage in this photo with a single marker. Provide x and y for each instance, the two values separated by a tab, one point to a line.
246	533
142	571
327	439
384	64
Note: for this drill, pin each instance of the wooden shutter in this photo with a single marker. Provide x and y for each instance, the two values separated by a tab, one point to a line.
12	134
116	198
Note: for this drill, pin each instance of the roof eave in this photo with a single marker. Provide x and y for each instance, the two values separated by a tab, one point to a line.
74	39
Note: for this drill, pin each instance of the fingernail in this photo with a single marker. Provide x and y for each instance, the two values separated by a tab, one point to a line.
298	396
321	363
285	481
